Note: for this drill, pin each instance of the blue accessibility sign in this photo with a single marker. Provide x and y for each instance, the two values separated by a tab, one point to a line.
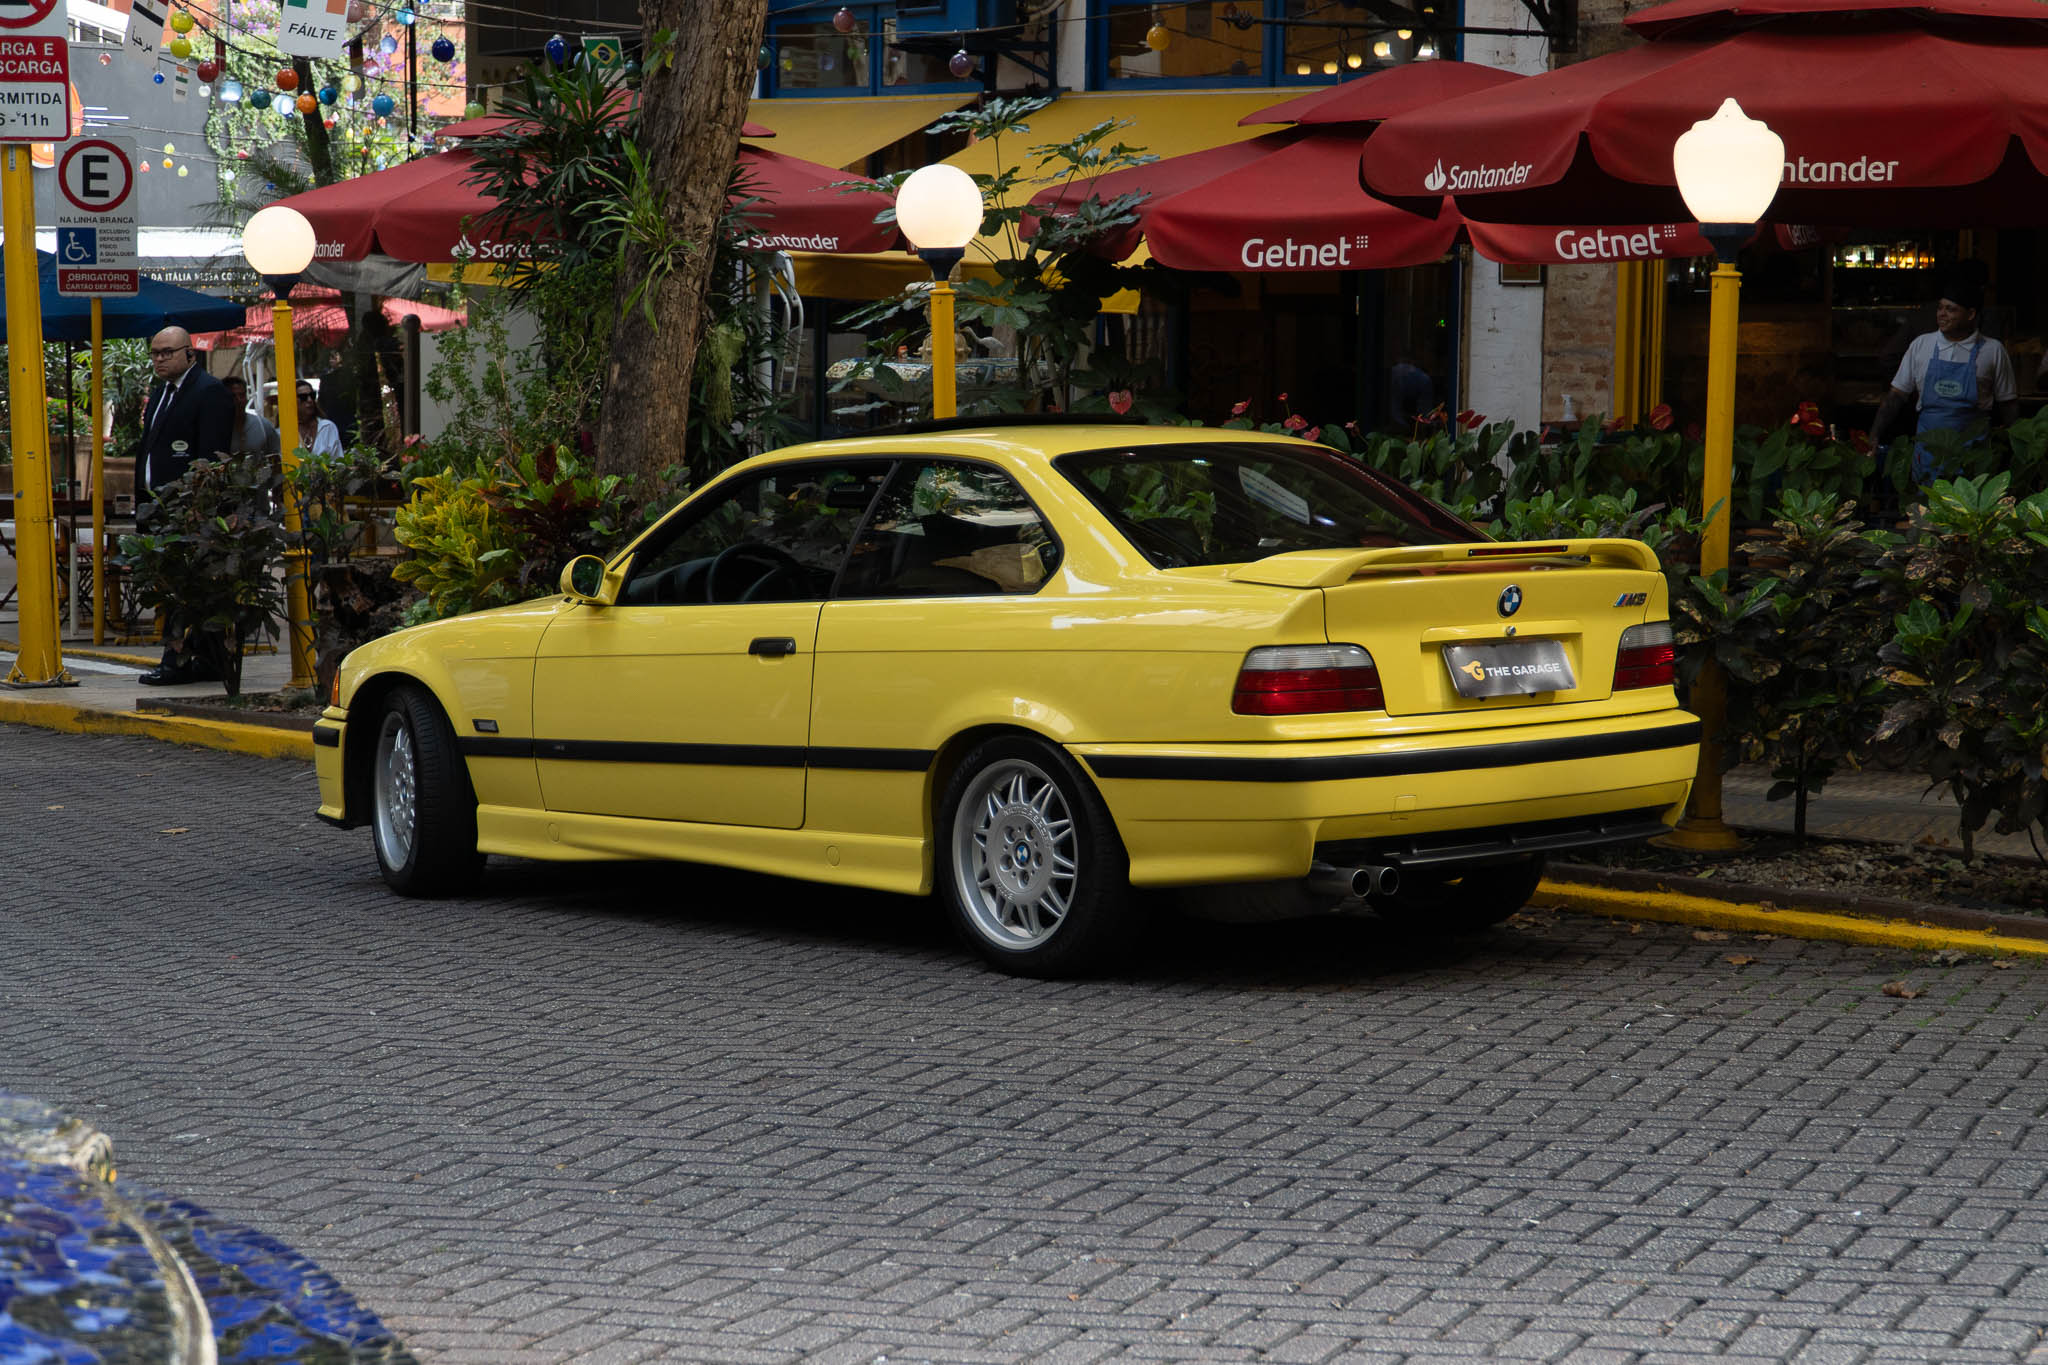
78	245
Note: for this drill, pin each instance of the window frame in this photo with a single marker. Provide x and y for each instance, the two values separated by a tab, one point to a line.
695	508
1272	67
1399	497
908	462
876	17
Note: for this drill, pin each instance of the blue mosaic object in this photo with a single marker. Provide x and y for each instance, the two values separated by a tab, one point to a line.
95	1275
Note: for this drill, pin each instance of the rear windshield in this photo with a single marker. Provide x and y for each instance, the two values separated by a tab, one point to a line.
1183	505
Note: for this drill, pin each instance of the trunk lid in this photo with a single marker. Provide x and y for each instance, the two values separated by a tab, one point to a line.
1507	614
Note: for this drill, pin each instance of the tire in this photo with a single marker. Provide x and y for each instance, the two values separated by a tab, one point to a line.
422	808
1463	902
1030	865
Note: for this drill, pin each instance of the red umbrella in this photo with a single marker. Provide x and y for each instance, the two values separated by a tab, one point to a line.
430	210
1929	114
1280	202
1383	94
316	315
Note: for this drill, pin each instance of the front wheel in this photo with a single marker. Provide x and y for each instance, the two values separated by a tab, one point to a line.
422	808
1031	865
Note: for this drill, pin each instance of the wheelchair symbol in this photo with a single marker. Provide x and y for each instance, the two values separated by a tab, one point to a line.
80	246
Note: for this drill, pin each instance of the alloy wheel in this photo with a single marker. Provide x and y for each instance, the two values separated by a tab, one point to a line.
1016	854
397	791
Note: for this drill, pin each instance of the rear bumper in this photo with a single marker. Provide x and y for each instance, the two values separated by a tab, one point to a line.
1236	812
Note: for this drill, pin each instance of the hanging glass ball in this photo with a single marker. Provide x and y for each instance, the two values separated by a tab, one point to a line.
558	49
328	124
844	21
231	92
761	58
472	110
144	168
181	48
351	83
209	71
329	95
170	150
157	77
167	163
307	104
389	45
382	105
355	11
181	171
106	59
406	16
181	22
287	79
259	99
1158	38
961	65
443	49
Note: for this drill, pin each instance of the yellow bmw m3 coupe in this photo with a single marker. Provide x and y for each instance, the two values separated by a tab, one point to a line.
1032	666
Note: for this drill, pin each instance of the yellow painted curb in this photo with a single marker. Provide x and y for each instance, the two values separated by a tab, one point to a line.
105	656
1672	907
260	741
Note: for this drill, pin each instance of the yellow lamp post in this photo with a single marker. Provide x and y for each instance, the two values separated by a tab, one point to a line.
939	209
278	243
1728	168
39	661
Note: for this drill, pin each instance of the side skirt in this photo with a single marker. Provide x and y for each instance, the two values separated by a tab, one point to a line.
877	862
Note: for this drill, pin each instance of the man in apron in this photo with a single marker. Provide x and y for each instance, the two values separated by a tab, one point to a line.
1958	376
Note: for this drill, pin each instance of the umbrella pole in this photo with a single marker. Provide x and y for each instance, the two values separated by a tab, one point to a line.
298	559
38	659
1703	828
97	459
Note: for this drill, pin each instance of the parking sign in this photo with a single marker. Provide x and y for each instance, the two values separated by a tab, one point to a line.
96	252
35	72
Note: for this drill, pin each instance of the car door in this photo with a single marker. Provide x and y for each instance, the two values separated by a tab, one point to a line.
689	698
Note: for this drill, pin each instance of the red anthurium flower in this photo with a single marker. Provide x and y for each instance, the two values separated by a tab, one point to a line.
1283	398
1295	421
1815	428
1859	441
1120	401
1312	434
1660	418
1611	424
1240	407
1471	420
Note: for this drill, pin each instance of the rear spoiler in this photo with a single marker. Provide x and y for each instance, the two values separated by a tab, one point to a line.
1328	568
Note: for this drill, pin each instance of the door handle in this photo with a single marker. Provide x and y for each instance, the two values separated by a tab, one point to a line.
772	646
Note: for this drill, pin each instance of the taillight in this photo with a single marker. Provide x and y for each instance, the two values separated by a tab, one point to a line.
1647	657
1299	680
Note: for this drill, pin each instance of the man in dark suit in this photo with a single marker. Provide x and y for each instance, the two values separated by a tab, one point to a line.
189	417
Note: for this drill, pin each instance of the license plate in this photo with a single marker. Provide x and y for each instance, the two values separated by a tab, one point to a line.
1510	668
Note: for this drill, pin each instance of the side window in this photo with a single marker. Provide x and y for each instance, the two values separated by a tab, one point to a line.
779	536
945	529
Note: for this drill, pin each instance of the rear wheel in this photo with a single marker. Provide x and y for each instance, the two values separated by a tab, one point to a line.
422	808
1463	902
1031	865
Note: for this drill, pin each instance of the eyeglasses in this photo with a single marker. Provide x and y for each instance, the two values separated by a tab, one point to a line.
305	395
161	351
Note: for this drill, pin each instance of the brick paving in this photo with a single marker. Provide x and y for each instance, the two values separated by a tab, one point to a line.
625	1114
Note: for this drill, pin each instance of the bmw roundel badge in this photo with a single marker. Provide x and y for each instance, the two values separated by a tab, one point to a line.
1510	600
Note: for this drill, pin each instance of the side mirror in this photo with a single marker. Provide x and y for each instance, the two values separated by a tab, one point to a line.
585	579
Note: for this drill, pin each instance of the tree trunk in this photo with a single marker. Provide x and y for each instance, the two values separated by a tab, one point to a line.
691	109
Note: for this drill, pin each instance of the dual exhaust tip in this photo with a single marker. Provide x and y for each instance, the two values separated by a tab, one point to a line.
1359	882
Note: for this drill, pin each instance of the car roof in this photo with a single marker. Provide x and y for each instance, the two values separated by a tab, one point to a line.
1026	442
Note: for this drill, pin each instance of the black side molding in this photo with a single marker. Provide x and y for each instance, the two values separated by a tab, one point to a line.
1343	767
